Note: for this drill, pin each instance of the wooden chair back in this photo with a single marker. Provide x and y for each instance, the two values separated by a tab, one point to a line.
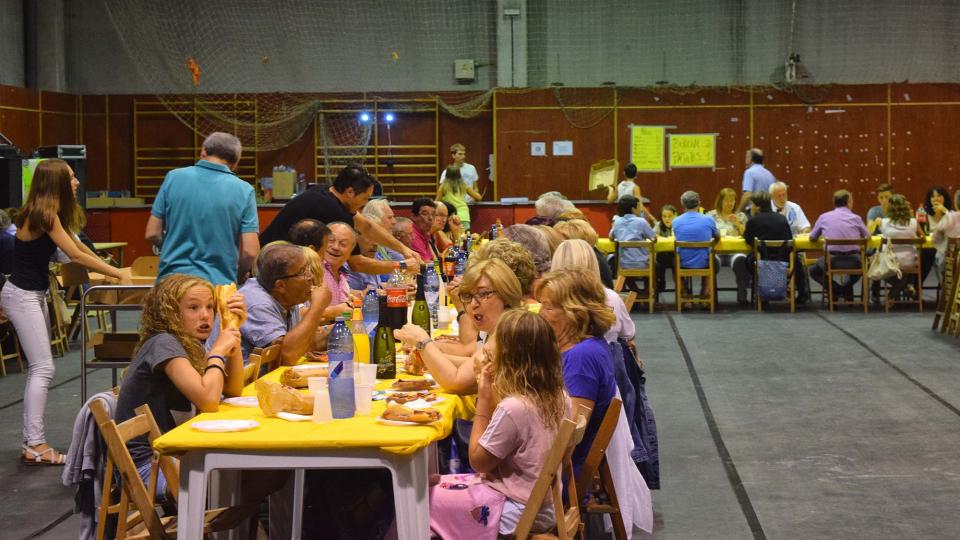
708	273
780	245
948	286
649	273
914	274
270	359
596	470
861	245
251	371
550	484
146	265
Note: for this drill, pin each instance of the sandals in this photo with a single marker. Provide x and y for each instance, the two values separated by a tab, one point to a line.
42	457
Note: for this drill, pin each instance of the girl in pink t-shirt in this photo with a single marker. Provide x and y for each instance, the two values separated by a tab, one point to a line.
520	403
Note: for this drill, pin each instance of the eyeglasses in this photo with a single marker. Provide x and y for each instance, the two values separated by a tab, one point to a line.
480	296
427	215
304	273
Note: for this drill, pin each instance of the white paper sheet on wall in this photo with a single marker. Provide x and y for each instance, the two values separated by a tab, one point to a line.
563	148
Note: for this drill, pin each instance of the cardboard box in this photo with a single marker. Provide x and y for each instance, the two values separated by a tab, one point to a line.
603	173
115	345
283	184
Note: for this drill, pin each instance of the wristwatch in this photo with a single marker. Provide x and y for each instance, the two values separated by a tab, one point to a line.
422	344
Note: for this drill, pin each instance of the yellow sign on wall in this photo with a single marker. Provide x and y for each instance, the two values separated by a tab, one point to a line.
646	148
693	150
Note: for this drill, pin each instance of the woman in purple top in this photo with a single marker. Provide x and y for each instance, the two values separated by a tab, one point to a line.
573	303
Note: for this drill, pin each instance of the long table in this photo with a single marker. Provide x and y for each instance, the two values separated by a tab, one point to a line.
359	442
737	244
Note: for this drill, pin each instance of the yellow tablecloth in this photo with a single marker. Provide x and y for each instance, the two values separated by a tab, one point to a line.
275	433
736	244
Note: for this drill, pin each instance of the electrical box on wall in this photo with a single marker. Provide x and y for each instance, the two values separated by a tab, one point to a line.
464	70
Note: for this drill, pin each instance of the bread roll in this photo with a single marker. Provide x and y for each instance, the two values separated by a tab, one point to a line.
228	319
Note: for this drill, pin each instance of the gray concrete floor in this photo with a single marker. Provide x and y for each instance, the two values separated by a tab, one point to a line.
812	425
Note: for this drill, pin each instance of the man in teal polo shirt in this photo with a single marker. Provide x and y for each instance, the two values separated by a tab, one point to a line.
203	212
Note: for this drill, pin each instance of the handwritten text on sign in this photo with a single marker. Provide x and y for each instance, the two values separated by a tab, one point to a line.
646	148
693	150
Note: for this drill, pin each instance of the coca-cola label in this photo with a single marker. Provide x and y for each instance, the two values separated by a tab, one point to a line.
396	298
448	267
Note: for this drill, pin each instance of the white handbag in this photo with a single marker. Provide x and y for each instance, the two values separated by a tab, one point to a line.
884	264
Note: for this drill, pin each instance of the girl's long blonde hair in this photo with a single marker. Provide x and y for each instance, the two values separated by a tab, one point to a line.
161	314
579	294
527	364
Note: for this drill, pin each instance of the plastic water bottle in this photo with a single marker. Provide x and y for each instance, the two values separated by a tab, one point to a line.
453	462
461	265
432	292
340	353
371	310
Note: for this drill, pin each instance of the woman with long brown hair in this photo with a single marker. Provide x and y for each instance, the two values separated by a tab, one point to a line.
51	218
572	301
520	403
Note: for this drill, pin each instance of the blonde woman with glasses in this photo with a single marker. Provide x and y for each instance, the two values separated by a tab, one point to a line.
489	289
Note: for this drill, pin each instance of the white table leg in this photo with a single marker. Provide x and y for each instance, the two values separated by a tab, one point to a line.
192	500
411	495
297	523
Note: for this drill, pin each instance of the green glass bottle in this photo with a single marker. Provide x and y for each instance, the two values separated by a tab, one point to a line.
421	312
384	349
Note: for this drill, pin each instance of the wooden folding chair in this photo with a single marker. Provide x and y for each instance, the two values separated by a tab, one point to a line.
58	322
595	473
948	286
709	273
780	245
830	271
550	482
914	271
7	333
73	277
649	273
270	358
251	371
143	521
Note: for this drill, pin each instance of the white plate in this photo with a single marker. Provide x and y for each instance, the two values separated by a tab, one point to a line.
291	417
386	422
224	426
302	367
243	401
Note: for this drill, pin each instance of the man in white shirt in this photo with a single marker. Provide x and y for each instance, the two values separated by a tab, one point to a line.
799	224
756	178
458	153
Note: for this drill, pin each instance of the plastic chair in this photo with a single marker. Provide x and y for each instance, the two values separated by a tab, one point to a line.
550	483
649	273
596	472
861	245
890	299
761	245
709	273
